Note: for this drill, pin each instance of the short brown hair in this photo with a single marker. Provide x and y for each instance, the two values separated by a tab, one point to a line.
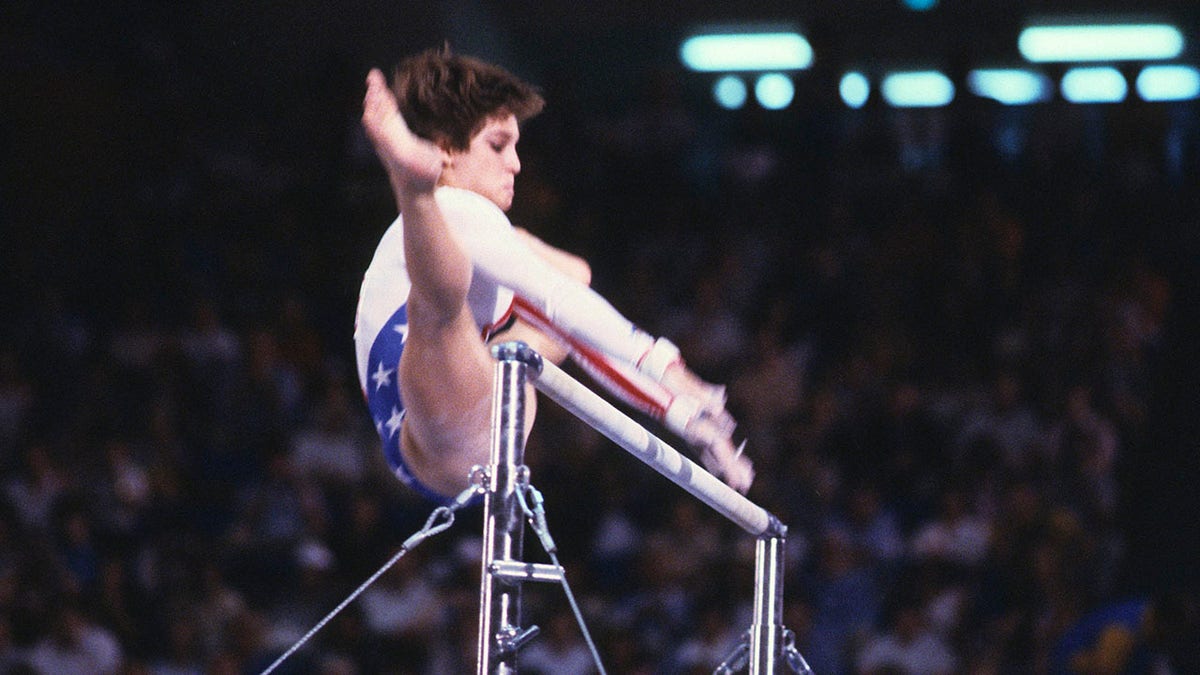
447	98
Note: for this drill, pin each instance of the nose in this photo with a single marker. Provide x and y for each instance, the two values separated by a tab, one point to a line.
514	162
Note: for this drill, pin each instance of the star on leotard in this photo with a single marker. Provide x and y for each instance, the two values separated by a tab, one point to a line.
393	422
382	377
402	329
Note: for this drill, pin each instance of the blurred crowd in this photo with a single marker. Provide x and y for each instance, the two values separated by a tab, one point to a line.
942	333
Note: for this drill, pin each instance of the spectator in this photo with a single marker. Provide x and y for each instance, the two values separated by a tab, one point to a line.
331	447
36	489
1081	449
906	646
76	645
558	650
955	535
845	604
1005	424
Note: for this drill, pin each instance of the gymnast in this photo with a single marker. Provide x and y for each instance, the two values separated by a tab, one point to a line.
452	274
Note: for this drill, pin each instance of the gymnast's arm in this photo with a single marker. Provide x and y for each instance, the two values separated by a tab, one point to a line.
645	372
549	346
566	307
568	263
504	257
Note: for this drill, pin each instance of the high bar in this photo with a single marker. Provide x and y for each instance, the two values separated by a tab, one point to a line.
637	440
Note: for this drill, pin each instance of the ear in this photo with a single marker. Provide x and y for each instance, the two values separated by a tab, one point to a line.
447	166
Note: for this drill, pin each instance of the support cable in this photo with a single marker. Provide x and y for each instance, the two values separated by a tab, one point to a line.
537	521
439	521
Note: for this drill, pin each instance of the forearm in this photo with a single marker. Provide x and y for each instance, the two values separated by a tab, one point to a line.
568	263
643	371
552	293
558	293
580	315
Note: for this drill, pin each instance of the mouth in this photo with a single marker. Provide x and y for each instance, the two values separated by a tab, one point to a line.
506	196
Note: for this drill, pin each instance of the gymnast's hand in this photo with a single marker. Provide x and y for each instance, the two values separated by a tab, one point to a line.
710	427
681	381
717	452
413	164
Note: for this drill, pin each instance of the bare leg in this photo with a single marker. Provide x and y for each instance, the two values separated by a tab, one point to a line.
445	371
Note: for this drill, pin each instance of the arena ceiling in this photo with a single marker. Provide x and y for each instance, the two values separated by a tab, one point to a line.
273	39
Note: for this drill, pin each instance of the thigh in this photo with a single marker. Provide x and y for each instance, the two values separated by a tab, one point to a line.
446	375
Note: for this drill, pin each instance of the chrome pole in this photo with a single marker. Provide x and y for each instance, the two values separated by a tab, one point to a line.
500	634
767	631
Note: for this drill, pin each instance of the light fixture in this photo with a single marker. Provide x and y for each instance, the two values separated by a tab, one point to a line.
1009	86
730	92
917	89
1168	83
731	52
1095	84
774	91
1100	42
855	89
920	5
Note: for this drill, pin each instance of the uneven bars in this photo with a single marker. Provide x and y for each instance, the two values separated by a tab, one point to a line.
625	432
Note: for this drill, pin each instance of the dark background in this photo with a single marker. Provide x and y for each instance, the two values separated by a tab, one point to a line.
160	157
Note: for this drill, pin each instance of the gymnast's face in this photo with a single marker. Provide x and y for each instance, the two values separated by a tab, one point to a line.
489	166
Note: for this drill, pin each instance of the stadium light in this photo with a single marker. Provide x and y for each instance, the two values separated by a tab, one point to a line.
920	5
1097	84
732	52
855	89
1168	83
774	91
1100	42
1009	86
730	92
917	89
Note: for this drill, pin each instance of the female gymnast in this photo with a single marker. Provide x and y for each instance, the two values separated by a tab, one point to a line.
452	274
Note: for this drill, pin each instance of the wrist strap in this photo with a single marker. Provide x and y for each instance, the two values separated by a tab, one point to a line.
658	358
680	412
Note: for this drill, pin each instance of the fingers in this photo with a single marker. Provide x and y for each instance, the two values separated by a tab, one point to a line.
712	437
738	472
722	420
740	476
729	464
681	381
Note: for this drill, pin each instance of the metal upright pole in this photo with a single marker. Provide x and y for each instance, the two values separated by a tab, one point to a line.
500	634
767	631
